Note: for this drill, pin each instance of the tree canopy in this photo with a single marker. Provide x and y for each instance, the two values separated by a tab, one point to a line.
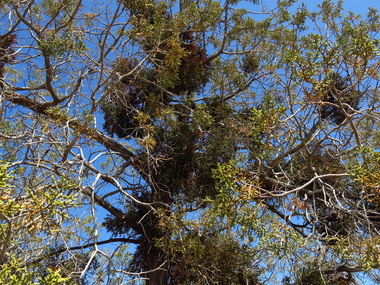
189	142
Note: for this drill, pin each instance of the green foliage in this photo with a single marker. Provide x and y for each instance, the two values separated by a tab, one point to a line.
311	276
212	257
54	278
59	45
202	117
266	118
12	274
364	171
37	213
34	213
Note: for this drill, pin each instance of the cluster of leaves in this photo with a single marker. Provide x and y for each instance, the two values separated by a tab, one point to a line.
212	257
23	215
311	275
61	44
146	92
177	66
364	171
13	273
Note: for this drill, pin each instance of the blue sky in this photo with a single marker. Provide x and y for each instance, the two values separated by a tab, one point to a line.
360	6
356	6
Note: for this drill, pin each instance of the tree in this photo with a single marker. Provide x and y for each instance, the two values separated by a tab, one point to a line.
225	146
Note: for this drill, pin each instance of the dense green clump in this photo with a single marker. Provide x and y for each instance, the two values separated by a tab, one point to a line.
339	99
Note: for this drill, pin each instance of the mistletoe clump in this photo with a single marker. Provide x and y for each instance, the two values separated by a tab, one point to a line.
339	99
7	53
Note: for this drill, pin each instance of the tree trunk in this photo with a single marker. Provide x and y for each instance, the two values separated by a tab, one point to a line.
157	268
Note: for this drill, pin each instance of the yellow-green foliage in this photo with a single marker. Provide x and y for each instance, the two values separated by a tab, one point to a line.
31	213
365	170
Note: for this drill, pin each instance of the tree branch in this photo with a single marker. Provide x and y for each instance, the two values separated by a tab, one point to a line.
80	247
